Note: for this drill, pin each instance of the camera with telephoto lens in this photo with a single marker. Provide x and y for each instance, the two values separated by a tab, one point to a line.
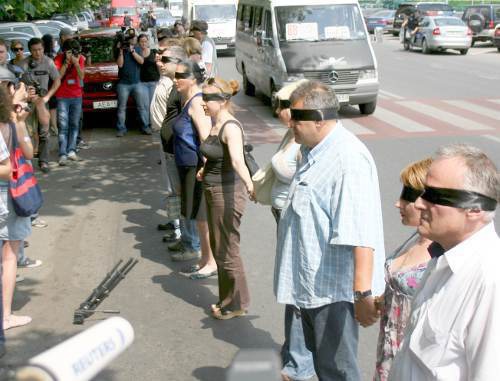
30	81
123	38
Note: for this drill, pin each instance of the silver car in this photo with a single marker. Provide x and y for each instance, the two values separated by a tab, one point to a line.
441	33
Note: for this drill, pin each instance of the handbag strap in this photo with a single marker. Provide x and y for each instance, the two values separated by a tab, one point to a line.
13	134
234	121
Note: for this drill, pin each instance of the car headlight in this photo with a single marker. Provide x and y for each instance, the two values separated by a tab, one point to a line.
295	77
367	75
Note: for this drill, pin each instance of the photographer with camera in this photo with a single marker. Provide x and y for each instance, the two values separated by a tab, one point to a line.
70	64
129	60
38	70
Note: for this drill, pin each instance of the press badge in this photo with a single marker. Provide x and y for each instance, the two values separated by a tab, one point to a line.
71	82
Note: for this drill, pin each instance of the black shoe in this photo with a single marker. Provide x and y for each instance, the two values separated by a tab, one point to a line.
44	167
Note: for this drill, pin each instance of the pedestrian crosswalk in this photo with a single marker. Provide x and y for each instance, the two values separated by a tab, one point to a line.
398	117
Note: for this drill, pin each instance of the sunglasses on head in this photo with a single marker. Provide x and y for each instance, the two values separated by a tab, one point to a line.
165	59
179	75
18	49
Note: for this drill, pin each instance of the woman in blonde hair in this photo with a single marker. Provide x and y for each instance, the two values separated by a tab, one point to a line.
193	48
226	181
403	271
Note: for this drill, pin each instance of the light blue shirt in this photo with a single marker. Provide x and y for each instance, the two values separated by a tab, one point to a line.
333	206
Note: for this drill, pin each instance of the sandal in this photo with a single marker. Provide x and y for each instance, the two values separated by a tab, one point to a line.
215	307
224	314
198	275
39	223
190	269
13	321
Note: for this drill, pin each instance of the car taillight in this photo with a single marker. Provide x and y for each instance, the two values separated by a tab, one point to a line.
491	25
436	32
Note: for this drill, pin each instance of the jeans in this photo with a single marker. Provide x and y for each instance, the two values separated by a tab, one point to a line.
297	359
140	96
331	334
69	112
189	234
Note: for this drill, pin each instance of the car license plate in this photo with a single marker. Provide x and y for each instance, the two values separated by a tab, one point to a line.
343	98
222	46
105	104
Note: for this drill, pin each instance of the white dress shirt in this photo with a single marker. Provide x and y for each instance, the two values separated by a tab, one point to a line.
454	329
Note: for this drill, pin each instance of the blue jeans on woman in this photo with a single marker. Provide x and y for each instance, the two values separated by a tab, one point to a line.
140	96
69	112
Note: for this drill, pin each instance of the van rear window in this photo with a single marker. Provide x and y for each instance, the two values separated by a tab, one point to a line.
320	23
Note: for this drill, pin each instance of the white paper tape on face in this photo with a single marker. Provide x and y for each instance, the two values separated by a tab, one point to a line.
86	354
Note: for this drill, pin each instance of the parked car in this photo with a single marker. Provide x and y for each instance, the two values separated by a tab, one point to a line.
77	22
496	37
55	24
101	71
163	18
425	9
45	29
482	20
438	33
23	27
381	19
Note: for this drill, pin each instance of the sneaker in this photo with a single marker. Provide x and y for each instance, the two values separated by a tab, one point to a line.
44	167
29	263
147	131
39	223
185	255
83	145
167	226
177	246
170	237
63	161
120	134
19	278
73	157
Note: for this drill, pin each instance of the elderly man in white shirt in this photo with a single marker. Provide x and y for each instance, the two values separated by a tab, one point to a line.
454	329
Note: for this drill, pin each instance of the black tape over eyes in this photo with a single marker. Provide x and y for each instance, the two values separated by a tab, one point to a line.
207	97
458	198
410	194
179	75
313	115
166	59
283	104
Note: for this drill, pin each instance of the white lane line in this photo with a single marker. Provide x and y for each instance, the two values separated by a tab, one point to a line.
494	100
475	108
382	96
356	128
390	95
400	122
463	123
492	137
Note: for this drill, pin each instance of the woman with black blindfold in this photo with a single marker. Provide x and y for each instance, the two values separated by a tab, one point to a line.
226	179
403	271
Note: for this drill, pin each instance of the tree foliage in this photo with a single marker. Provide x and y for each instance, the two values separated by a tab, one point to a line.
20	10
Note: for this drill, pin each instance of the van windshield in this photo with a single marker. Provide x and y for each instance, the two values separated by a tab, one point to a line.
320	23
215	13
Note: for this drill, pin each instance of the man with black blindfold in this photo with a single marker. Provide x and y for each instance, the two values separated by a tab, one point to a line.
454	330
330	251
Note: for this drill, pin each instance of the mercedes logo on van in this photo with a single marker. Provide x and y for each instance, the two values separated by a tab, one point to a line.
107	86
333	76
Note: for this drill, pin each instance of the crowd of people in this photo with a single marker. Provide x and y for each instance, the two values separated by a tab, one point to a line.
436	296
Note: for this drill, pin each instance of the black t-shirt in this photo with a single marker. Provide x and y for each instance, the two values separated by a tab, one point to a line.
174	107
412	22
149	70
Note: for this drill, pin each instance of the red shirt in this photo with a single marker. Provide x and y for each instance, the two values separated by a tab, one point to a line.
71	85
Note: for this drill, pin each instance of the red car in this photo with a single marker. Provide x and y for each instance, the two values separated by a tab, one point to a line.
101	71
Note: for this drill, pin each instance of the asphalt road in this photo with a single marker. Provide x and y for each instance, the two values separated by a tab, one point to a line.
107	208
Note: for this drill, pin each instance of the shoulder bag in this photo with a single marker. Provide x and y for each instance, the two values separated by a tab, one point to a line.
24	190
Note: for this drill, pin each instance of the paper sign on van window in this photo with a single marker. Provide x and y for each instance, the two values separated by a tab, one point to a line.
338	32
302	31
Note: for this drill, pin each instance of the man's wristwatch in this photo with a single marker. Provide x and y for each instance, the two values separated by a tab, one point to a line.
358	295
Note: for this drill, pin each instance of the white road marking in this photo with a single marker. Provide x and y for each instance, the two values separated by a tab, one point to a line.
463	123
400	122
478	51
390	95
495	100
492	137
382	96
475	108
356	128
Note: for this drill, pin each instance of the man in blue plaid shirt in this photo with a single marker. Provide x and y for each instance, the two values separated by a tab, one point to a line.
330	251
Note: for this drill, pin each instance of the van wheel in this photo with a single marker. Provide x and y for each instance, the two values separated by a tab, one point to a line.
248	87
425	47
368	108
463	51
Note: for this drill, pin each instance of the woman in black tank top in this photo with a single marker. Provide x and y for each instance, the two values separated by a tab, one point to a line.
225	181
